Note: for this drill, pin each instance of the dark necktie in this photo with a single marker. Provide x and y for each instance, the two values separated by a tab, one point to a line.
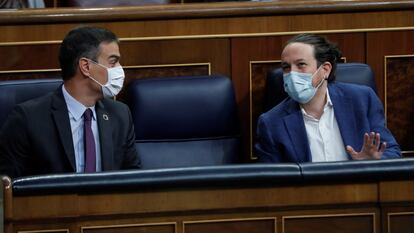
90	153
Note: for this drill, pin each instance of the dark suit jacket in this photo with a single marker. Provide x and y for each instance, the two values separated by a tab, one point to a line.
37	139
282	134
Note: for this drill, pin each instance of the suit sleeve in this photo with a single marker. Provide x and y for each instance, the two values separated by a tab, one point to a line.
131	158
377	119
14	144
266	149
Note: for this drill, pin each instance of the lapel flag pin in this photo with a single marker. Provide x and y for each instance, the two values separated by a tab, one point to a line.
105	117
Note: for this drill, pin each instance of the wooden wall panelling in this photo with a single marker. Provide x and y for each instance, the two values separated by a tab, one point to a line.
399	221
399	99
338	223
167	58
49	228
180	51
242	225
351	44
396	201
199	209
104	224
381	44
396	191
391	55
29	57
258	71
397	217
31	74
244	52
45	231
197	199
253	58
134	53
131	228
214	20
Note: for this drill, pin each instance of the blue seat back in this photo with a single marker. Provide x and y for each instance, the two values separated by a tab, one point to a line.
185	121
357	73
17	91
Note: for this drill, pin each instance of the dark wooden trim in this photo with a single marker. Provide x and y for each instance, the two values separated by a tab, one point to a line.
197	10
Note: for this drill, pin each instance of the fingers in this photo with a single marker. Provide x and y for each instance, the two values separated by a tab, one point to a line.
382	147
372	140
377	141
366	139
372	148
352	152
366	142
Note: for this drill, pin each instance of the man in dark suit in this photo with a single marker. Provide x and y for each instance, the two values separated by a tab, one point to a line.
322	120
79	127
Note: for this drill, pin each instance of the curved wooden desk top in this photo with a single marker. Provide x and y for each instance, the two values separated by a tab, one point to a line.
197	10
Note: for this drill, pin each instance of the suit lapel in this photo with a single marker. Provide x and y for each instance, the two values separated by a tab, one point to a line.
62	123
105	134
345	118
297	132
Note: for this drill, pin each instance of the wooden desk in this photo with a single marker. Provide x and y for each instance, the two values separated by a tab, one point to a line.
261	206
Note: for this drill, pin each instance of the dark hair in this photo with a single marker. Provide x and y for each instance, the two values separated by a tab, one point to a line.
82	42
324	50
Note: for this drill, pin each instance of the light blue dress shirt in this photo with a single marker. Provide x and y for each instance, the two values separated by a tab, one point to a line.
76	110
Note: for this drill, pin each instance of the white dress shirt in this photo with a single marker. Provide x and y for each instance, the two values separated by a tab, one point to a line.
324	137
76	110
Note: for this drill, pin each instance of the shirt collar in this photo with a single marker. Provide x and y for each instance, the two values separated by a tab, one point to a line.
327	104
75	108
328	99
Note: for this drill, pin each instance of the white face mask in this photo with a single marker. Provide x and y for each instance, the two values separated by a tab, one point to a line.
116	77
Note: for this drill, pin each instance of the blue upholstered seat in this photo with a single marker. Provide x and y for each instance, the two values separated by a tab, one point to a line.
357	73
17	91
185	121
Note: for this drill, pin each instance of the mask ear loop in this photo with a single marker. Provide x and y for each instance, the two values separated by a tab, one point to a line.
96	81
321	82
100	66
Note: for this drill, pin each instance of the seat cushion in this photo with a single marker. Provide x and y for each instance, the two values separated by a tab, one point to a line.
187	153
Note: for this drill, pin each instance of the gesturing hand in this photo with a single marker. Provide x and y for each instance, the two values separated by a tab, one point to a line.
371	149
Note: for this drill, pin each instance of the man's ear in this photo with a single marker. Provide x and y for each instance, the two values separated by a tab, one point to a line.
83	64
327	67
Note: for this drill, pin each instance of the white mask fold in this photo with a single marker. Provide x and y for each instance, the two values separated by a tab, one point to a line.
116	77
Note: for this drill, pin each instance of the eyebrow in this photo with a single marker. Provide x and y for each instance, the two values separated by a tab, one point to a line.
114	57
295	61
300	60
284	64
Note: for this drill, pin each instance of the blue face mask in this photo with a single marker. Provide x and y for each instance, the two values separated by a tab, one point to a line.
299	86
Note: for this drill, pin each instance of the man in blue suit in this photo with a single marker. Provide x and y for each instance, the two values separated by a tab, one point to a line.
322	120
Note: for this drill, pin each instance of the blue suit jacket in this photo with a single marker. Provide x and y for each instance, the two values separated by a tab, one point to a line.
282	135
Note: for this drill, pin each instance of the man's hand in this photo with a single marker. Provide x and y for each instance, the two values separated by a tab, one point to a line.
371	149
